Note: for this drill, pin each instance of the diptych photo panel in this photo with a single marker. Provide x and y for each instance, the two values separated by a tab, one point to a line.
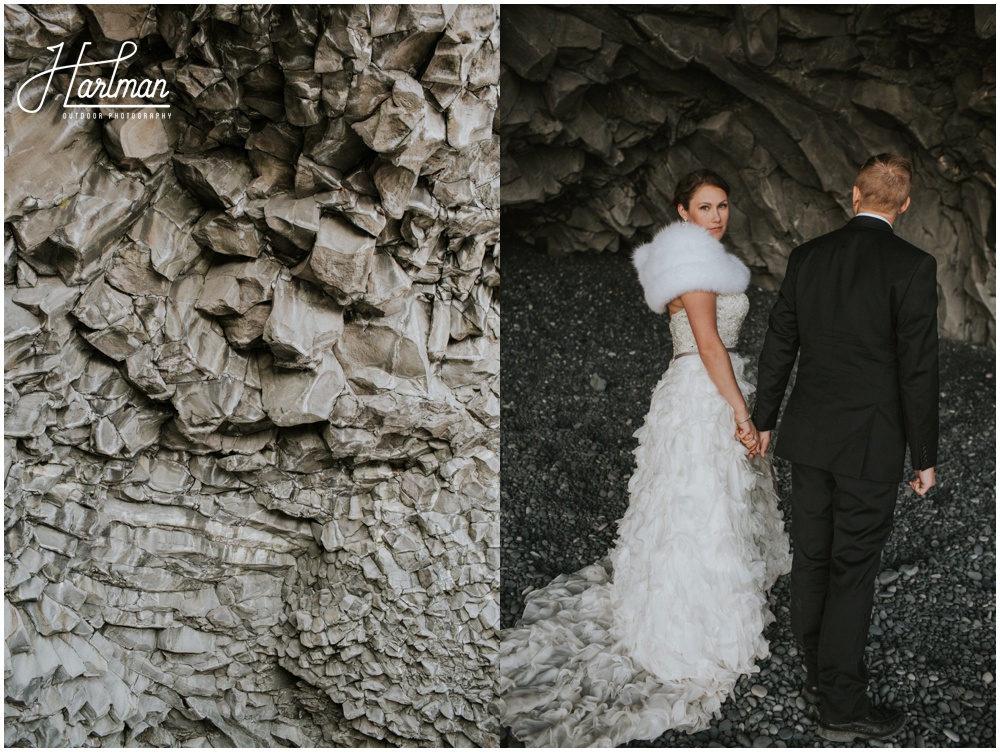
253	422
694	199
252	388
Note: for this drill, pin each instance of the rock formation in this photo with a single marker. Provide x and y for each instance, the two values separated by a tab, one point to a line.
252	374
604	107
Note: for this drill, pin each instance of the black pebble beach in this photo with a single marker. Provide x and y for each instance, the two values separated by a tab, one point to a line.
581	354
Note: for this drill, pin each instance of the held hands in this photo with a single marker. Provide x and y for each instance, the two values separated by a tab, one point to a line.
746	432
924	481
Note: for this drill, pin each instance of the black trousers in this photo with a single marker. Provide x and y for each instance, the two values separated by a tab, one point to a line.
839	527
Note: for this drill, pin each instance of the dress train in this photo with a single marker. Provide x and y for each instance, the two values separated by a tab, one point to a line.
656	636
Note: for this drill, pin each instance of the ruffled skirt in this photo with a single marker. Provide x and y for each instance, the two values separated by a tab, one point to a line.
655	637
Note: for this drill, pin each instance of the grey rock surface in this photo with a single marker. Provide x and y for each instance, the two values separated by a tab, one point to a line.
252	380
605	107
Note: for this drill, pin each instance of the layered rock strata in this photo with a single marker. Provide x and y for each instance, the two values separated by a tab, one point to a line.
252	374
605	107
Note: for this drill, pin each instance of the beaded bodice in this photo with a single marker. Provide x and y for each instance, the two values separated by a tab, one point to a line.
730	310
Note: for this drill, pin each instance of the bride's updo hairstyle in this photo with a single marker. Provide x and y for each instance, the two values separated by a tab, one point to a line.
690	183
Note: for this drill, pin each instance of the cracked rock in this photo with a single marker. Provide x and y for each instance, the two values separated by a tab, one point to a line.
242	440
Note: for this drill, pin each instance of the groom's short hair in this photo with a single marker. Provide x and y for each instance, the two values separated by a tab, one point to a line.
884	182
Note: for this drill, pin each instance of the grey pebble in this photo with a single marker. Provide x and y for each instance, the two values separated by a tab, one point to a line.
888	576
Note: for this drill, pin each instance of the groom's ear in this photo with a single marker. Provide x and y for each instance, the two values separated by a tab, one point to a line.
856	199
904	207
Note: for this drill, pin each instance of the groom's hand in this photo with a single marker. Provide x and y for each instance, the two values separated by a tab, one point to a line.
924	481
765	442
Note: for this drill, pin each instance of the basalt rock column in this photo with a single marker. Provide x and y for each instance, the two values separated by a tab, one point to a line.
605	107
252	378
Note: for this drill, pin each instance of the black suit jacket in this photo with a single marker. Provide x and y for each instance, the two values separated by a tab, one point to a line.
859	308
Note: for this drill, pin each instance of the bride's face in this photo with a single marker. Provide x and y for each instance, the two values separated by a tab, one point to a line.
709	208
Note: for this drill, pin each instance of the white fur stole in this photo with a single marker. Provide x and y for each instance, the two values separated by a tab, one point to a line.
683	257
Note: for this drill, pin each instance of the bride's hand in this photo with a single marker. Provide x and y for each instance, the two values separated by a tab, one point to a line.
753	445
746	432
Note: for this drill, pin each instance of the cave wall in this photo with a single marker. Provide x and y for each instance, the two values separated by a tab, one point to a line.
252	371
605	107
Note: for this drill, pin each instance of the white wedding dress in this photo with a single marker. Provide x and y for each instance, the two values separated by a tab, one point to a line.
656	636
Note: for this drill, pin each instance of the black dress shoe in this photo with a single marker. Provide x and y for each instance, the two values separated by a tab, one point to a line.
810	694
880	723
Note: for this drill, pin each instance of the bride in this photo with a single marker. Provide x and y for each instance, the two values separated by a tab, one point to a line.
655	637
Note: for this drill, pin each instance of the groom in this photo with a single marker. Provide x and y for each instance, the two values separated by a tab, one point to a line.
858	306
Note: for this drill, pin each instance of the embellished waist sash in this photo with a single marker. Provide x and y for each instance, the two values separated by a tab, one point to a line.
695	352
